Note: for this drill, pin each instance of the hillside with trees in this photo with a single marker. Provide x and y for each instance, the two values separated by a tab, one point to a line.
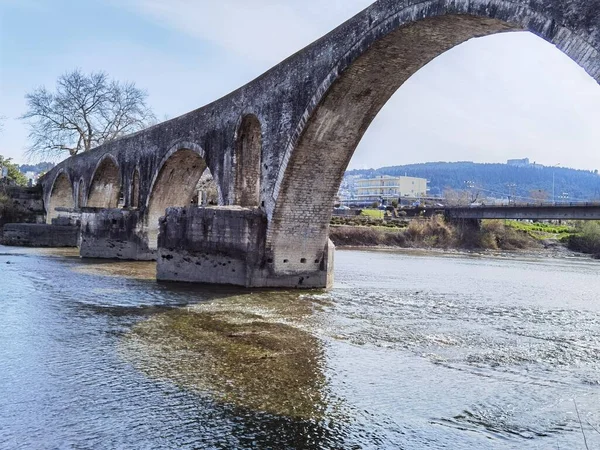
532	182
41	167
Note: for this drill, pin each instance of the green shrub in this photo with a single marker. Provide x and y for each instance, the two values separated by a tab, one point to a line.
9	213
539	227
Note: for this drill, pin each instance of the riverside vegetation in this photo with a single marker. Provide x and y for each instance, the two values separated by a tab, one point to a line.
9	212
436	233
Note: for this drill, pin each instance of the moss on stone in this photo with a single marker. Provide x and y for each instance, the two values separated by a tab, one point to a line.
242	350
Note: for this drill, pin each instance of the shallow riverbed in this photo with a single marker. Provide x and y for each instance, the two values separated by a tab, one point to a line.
410	350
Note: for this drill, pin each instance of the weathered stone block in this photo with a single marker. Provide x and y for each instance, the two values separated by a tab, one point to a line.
66	218
40	235
211	245
226	245
114	234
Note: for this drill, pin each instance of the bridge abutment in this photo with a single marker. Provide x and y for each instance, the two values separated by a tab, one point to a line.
226	245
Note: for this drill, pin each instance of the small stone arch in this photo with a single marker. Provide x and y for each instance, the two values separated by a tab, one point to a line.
105	189
61	196
248	157
174	185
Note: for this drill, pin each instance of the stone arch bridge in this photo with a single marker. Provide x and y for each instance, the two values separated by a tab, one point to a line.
277	148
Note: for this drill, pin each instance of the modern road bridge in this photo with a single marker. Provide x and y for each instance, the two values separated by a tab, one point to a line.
527	212
278	147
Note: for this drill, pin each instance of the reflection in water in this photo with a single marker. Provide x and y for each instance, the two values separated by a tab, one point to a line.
240	351
408	351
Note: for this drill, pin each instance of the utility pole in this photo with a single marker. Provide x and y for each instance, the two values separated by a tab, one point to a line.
553	183
511	192
471	186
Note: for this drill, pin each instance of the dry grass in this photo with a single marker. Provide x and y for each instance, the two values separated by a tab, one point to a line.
344	236
496	233
431	233
435	232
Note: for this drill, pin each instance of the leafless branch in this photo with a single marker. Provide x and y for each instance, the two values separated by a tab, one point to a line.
84	112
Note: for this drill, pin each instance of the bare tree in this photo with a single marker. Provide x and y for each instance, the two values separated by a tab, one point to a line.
84	112
458	198
2	119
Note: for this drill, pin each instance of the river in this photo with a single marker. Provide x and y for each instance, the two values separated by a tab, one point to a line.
409	350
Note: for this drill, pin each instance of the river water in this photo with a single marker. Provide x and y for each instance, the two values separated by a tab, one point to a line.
408	351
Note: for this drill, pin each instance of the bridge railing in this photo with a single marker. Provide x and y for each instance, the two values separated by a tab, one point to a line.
533	205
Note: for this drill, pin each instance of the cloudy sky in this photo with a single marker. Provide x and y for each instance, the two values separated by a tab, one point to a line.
490	99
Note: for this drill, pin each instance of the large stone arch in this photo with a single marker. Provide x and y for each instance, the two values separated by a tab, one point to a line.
382	58
61	196
248	156
174	185
105	187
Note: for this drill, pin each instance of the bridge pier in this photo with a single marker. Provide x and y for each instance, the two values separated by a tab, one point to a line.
464	224
114	234
227	245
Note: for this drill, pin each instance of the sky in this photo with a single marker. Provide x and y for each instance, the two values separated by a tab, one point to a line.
488	100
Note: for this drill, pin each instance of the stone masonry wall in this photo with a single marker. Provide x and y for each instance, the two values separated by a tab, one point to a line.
40	235
211	245
226	245
114	234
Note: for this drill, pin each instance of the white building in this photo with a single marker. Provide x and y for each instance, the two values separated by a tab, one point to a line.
390	188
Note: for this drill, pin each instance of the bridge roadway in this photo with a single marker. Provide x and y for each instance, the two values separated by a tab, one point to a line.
587	211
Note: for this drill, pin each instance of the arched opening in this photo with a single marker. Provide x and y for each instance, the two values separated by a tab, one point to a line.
353	95
176	185
206	193
105	189
248	161
61	196
81	194
135	190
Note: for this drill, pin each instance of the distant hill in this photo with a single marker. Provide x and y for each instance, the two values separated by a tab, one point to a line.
496	180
